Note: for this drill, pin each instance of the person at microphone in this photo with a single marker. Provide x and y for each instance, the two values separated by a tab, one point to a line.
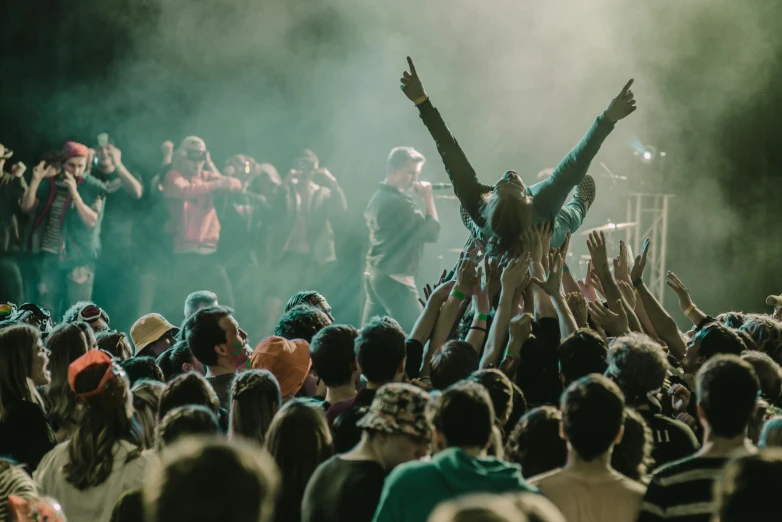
496	216
398	231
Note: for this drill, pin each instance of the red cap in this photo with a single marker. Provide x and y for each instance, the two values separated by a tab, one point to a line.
109	390
72	149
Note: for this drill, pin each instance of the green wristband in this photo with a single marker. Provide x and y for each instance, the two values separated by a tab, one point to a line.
119	167
565	269
457	294
638	282
483	317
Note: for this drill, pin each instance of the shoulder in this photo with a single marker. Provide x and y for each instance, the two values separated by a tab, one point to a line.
94	184
52	462
413	471
545	479
631	486
685	470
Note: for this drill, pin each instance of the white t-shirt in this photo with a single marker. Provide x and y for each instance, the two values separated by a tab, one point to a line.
94	504
604	496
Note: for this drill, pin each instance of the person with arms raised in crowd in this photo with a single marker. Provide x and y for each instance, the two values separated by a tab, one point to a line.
397	234
394	431
12	222
66	204
588	488
117	272
497	215
190	188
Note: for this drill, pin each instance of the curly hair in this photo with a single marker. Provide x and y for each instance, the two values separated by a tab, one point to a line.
632	457
301	322
535	443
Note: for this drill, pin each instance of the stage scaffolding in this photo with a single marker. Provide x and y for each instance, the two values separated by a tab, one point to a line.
649	211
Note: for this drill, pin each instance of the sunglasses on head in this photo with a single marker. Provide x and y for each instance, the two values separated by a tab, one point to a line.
196	155
93	313
7	309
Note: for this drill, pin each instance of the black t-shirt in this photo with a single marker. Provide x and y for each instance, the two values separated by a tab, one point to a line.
120	213
673	440
342	490
25	434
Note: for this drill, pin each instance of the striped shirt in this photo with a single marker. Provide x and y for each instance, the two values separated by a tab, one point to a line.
682	491
52	236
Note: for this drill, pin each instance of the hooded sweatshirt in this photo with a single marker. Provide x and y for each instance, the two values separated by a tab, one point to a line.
413	490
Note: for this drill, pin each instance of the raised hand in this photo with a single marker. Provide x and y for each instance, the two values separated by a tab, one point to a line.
622	264
553	283
637	272
440	294
516	274
597	249
465	276
545	230
627	293
116	155
621	106
521	327
680	397
70	182
423	189
615	323
411	84
675	284
578	307
42	170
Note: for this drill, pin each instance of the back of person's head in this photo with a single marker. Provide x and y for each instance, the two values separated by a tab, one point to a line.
535	443
748	486
592	415
518	411
188	389
186	421
769	374
18	349
305	297
211	480
749	342
107	420
766	332
66	343
632	457
114	342
500	391
638	365
727	388
344	430
402	157
146	397
255	398
143	367
176	360
487	507
202	332
333	356
301	322
717	339
771	434
582	353
463	416
455	361
199	299
14	480
732	319
381	350
299	440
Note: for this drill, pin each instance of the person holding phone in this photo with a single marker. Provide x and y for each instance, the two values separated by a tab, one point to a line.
66	205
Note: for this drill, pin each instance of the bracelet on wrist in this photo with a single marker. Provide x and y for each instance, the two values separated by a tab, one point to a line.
457	294
422	99
119	166
565	268
481	328
483	317
689	309
638	282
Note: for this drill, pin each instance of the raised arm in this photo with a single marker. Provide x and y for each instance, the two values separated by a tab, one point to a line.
40	171
129	182
88	214
177	186
465	182
551	193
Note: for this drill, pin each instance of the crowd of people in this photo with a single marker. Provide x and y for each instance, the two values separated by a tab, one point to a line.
506	391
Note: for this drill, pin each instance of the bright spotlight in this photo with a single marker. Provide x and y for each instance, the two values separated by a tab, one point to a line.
647	155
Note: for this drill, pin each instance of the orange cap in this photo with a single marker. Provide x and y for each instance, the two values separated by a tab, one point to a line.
289	361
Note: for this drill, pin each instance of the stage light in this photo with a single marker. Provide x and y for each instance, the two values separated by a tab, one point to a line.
647	155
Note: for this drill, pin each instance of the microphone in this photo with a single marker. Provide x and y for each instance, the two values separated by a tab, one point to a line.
441	186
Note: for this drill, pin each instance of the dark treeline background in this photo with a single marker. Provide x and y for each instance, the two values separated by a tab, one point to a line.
518	82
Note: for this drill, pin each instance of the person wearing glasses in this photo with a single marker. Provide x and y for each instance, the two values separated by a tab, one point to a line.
190	187
89	313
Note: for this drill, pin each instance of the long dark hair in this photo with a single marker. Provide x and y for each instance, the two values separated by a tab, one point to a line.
91	448
17	349
255	398
299	440
66	343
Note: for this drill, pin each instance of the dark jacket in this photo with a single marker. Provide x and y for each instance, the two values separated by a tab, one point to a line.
397	232
11	218
548	195
79	243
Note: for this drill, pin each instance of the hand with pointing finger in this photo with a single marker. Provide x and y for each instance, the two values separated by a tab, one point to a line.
621	106
411	84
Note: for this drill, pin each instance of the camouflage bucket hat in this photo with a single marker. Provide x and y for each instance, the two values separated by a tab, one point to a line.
398	409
